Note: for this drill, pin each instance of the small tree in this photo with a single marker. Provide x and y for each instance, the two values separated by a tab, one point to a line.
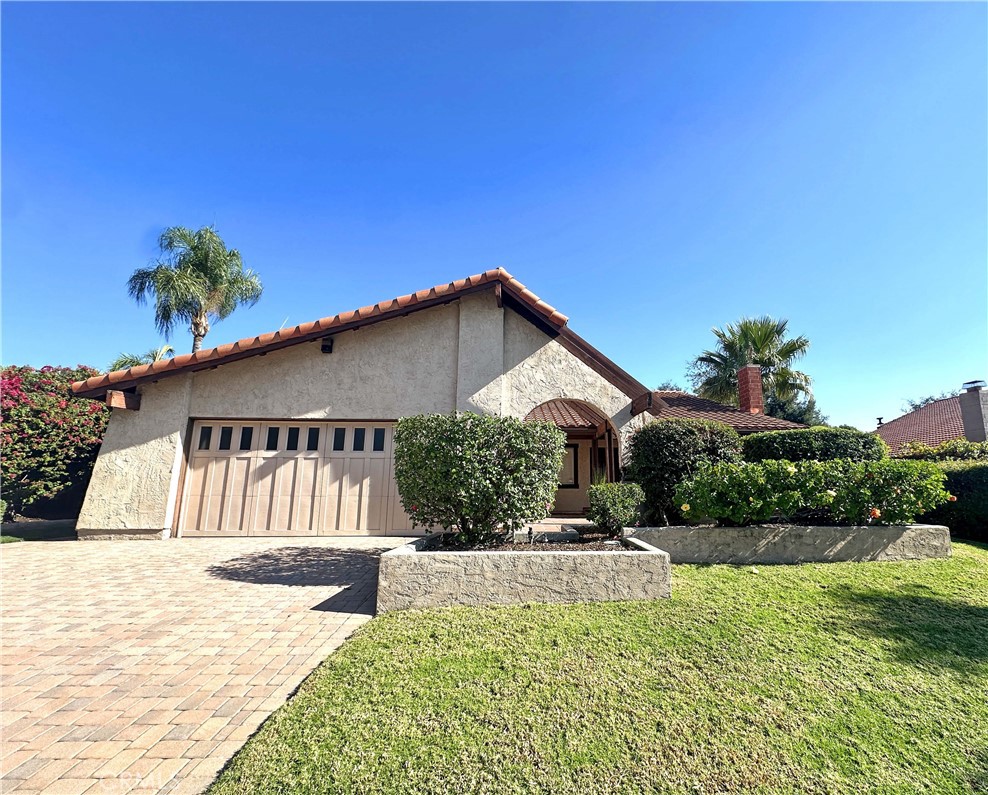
665	453
50	441
474	474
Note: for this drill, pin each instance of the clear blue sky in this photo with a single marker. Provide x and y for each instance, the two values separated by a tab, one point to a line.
650	170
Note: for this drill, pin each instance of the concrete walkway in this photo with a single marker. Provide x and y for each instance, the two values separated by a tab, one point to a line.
143	666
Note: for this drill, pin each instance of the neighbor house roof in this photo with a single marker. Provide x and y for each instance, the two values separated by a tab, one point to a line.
567	414
686	406
508	290
932	424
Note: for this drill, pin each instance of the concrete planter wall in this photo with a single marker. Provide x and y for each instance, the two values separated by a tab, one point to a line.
797	544
411	579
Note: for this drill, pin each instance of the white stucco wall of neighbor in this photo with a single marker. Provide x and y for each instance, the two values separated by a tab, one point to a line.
469	355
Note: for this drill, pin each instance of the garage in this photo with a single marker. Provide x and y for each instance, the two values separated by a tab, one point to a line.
255	478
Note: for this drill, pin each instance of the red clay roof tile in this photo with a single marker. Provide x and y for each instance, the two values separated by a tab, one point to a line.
567	413
687	406
933	424
97	385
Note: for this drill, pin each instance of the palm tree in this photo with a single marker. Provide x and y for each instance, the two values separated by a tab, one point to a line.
758	340
125	360
197	281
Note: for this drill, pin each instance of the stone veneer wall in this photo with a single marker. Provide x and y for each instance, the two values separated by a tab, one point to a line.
412	579
797	544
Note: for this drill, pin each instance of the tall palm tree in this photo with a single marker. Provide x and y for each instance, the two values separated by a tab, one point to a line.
752	340
197	281
125	360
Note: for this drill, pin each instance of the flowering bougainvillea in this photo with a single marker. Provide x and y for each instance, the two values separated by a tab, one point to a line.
50	440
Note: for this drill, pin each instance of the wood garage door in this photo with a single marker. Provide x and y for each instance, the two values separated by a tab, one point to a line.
291	478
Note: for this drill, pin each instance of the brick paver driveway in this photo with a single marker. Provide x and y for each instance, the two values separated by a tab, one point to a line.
144	665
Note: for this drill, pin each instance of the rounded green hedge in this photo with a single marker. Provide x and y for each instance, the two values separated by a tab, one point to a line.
814	444
614	506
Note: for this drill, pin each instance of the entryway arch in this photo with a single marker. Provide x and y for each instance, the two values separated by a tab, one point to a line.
592	450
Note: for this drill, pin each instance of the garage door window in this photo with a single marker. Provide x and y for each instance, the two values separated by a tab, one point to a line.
313	441
272	439
246	437
205	436
379	440
358	439
226	437
292	439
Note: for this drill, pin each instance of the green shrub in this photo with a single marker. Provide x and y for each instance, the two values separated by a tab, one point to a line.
50	440
3	510
967	516
615	505
814	444
665	453
953	450
840	492
476	473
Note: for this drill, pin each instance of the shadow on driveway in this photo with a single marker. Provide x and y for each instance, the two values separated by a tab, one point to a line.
307	566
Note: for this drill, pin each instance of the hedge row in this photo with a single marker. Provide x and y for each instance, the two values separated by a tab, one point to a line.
814	444
665	453
968	516
954	450
814	492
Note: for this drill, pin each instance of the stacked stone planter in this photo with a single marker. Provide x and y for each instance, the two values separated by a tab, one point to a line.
412	577
797	543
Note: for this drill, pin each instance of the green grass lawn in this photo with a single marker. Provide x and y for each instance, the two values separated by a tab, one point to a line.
833	678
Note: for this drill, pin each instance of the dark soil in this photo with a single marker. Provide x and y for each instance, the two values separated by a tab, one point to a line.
587	542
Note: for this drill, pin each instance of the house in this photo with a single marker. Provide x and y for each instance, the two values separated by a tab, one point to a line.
290	433
963	416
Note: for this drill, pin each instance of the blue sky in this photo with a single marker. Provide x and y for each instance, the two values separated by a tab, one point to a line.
650	170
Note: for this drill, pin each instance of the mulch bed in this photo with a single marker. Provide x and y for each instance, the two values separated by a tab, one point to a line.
587	542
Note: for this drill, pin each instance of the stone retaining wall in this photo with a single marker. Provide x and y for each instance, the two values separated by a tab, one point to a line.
412	579
797	544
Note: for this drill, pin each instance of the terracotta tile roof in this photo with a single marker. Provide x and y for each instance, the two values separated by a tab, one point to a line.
933	424
687	406
385	310
567	414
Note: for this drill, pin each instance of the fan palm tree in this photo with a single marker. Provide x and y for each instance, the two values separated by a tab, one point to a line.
125	360
757	340
197	281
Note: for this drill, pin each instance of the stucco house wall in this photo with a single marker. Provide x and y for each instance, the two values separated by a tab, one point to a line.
469	355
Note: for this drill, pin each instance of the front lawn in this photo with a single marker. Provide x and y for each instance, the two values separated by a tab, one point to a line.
834	678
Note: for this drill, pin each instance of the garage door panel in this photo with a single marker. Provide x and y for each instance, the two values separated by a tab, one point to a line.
291	478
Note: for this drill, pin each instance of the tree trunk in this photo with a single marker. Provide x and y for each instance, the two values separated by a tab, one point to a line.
199	328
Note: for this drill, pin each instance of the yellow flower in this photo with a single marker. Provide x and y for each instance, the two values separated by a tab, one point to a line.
684	507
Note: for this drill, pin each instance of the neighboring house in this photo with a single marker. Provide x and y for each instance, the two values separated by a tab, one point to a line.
290	433
963	416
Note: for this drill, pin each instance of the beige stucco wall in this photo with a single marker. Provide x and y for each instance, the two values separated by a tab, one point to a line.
575	500
136	473
539	368
385	371
469	355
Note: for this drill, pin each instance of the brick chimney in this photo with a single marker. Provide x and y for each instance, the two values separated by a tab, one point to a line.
974	411
750	397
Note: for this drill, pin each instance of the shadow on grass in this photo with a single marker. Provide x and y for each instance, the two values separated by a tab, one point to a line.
41	530
926	628
304	566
